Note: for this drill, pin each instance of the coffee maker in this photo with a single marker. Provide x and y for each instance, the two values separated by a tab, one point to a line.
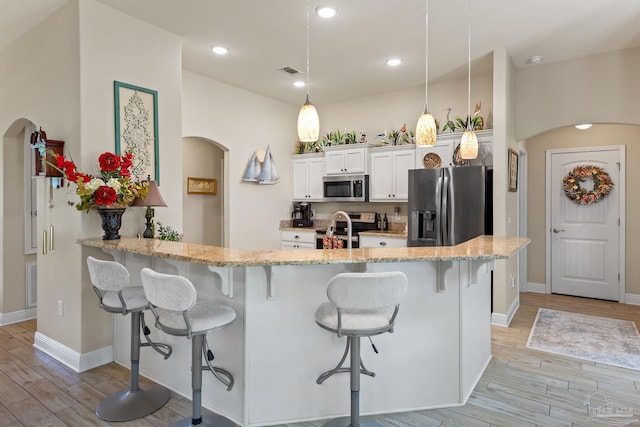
301	215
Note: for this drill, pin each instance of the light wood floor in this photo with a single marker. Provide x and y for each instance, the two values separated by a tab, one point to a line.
520	387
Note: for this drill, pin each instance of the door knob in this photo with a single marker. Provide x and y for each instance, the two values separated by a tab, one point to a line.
555	230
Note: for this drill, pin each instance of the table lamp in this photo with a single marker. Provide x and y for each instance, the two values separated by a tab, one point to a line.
153	198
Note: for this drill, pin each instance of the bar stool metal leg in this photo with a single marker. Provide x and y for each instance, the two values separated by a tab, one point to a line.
354	419
133	403
197	419
164	349
222	375
339	367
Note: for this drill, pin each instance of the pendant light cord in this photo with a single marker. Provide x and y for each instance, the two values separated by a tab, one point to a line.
426	57
308	50
469	71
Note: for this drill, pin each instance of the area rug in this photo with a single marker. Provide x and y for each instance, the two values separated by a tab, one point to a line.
598	339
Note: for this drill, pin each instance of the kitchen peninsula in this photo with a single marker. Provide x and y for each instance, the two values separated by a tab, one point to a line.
438	351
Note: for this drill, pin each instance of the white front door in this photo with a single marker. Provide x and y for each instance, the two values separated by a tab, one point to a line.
585	239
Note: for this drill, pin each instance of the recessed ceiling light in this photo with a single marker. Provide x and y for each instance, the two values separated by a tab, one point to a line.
299	83
219	50
393	62
536	59
326	11
584	126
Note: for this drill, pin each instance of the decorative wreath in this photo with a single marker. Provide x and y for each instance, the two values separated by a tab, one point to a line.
602	184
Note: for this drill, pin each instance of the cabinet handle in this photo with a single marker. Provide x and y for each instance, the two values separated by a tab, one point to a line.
296	237
383	243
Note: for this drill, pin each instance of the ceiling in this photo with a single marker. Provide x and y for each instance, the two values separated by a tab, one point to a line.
347	53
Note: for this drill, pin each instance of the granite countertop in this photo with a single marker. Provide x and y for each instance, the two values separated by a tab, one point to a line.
387	233
480	248
285	228
396	229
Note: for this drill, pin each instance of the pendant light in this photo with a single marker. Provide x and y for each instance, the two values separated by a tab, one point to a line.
308	121
426	127
469	141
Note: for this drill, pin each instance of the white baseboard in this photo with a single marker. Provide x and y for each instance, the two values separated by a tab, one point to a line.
633	299
538	288
500	319
71	358
18	316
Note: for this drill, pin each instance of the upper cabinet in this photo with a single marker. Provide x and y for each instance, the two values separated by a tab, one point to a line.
341	160
389	178
441	154
306	177
386	166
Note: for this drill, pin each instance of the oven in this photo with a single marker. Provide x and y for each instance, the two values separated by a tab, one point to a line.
360	221
320	242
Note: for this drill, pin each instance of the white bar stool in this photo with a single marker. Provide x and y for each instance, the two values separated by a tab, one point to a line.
361	305
110	282
178	312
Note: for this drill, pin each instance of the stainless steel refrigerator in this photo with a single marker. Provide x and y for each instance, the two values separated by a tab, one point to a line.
447	206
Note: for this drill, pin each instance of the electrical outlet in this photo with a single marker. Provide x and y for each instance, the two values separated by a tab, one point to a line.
513	282
60	308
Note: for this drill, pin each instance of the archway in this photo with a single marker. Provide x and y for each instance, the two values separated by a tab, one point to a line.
18	288
204	215
569	137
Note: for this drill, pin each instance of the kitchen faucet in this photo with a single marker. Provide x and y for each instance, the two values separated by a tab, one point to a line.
332	225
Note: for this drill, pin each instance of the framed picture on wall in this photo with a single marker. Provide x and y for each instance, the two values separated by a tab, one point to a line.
513	170
201	186
136	128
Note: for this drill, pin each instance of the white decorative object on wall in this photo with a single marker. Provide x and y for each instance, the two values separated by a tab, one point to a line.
261	168
136	128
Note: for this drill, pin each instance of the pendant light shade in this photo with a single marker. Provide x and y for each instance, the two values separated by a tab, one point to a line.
308	120
469	145
469	142
426	127
308	123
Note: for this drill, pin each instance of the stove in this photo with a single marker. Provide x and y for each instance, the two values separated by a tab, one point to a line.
360	221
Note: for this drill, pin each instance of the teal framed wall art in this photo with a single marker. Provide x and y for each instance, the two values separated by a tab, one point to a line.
136	128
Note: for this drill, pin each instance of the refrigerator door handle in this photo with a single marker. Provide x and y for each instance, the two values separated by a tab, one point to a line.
439	212
444	213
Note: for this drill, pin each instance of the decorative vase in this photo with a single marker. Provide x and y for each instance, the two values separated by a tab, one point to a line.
111	222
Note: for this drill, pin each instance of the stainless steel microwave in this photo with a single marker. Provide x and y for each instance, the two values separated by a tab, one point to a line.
345	188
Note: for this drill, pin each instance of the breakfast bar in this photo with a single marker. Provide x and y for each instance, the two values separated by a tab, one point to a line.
438	351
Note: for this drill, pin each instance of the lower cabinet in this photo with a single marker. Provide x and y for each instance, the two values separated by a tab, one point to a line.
367	241
291	240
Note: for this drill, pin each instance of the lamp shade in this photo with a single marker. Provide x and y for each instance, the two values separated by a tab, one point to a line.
469	145
308	123
426	130
153	197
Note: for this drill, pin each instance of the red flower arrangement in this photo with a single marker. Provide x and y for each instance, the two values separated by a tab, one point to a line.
111	187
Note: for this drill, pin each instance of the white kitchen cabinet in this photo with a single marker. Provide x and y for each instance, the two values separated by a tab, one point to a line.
389	177
443	150
306	177
294	239
340	160
375	241
446	145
